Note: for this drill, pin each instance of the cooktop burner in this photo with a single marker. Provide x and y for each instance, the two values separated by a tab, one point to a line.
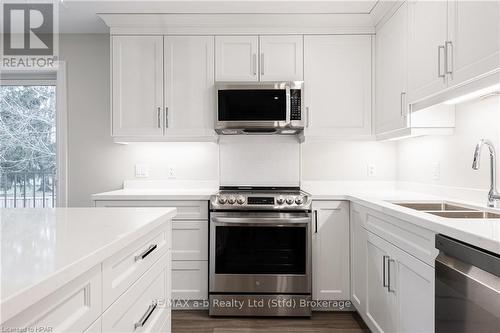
260	198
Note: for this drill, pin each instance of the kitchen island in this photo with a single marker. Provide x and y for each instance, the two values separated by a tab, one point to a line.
86	269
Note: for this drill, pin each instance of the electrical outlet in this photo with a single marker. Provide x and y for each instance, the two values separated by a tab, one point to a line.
436	171
171	171
371	170
141	170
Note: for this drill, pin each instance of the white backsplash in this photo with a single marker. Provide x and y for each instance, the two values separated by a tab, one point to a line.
259	160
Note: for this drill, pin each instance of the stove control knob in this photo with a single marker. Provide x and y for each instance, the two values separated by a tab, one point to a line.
299	200
240	200
231	200
280	200
289	200
222	200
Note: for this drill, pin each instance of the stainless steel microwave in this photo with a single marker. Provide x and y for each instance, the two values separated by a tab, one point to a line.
259	107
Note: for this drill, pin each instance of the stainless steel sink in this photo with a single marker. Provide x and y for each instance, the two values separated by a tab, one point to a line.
449	210
439	206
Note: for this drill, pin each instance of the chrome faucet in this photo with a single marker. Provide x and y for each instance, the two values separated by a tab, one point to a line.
493	195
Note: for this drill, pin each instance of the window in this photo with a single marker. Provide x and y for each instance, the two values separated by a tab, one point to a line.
28	147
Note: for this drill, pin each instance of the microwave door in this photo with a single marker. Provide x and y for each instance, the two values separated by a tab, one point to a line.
259	105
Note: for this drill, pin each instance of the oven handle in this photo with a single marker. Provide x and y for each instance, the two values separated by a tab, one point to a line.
261	220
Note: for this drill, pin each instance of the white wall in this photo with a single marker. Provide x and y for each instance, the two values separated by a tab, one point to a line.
348	160
474	120
95	163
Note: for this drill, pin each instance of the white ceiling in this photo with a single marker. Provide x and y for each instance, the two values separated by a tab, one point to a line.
80	16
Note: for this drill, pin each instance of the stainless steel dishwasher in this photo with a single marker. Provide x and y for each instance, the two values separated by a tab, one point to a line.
467	290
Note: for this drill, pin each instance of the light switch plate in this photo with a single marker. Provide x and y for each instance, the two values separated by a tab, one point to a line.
141	170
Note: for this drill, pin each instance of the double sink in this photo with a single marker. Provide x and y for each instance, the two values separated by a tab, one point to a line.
449	210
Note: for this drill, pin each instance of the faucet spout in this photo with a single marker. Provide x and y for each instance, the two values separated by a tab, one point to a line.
493	195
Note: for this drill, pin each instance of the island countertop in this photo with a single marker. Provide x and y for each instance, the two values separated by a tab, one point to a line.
42	249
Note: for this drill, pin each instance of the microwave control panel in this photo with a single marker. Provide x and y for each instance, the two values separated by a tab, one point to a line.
295	107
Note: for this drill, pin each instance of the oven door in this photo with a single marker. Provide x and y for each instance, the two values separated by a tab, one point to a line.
253	106
257	252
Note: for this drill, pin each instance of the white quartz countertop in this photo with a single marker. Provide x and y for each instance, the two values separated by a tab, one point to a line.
156	194
484	233
42	249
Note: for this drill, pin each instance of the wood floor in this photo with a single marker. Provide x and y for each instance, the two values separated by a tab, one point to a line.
321	322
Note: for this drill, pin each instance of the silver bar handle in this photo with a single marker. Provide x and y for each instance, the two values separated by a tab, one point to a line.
402	103
159	117
307	116
146	252
315	221
261	220
166	117
384	267
389	275
145	316
440	47
449	46
261	64
254	64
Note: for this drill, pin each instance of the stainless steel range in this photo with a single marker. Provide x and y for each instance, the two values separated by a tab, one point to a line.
260	252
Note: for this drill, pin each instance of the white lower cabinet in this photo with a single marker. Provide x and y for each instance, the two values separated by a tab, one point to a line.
189	244
358	258
392	290
144	307
330	250
190	280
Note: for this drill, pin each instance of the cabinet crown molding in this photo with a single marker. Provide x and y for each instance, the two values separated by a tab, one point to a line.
232	24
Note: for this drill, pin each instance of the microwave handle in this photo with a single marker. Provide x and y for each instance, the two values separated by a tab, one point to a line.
288	104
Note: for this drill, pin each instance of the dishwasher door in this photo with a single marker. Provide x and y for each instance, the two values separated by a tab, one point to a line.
467	288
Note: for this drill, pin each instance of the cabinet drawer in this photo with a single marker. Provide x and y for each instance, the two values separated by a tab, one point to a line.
145	303
190	280
190	240
122	269
72	308
417	241
186	210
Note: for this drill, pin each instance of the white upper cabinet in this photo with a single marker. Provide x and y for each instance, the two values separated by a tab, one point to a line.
281	58
426	48
338	85
331	250
391	73
163	88
137	85
236	58
473	46
189	85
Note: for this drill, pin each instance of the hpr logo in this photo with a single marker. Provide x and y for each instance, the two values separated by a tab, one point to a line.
28	29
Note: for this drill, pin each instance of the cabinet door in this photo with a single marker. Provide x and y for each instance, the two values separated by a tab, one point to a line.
338	75
189	84
358	258
391	70
331	250
189	240
474	33
137	85
426	54
236	58
414	289
381	305
281	58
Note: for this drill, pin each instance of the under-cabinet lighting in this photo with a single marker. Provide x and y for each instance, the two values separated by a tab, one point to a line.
473	95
